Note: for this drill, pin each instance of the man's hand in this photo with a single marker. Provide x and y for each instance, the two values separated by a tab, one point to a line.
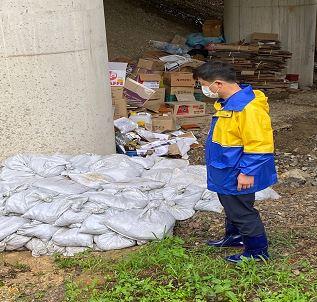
245	182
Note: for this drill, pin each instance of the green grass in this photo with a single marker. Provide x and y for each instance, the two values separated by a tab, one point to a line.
167	271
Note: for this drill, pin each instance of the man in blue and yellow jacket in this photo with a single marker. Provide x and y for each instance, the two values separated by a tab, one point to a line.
239	157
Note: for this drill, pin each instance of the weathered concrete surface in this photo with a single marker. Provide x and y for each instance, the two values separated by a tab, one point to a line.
54	92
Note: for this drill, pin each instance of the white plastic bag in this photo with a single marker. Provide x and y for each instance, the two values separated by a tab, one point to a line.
81	163
38	229
9	225
125	125
72	238
112	241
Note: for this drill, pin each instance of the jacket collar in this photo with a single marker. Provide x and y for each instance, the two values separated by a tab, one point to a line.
239	100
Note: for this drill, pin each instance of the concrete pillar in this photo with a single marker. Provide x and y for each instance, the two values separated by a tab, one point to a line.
54	91
293	20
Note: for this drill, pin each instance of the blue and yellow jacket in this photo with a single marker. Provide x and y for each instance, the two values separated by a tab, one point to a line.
240	140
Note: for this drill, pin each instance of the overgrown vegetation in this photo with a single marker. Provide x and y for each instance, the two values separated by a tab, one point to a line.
169	271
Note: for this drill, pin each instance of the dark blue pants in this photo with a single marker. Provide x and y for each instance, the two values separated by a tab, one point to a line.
240	213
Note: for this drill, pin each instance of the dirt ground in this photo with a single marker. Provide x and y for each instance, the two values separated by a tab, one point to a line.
294	118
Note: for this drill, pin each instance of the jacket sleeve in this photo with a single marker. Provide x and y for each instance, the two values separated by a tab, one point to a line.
257	137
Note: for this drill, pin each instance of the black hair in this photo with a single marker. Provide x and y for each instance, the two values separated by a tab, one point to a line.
216	70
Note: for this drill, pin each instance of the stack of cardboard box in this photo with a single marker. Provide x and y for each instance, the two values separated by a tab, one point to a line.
117	74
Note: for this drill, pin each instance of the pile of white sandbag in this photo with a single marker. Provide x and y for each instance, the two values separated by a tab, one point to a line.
64	204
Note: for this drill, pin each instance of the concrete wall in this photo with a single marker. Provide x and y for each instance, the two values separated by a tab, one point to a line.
293	20
54	94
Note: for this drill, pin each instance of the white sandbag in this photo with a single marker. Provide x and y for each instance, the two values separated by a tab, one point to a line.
61	185
21	202
141	184
161	175
146	162
16	242
165	163
53	248
71	251
27	166
179	212
190	175
94	224
71	217
209	202
72	237
37	246
8	188
49	212
47	166
186	195
10	224
124	199
115	161
148	224
112	241
267	193
2	246
81	163
38	229
91	180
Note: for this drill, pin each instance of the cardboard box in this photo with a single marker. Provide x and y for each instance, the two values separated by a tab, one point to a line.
212	28
149	77
117	73
151	64
179	79
179	90
156	101
136	93
200	121
188	108
120	108
264	37
187	97
163	123
116	93
159	94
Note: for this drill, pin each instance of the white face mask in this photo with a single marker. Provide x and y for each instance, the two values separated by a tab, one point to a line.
208	93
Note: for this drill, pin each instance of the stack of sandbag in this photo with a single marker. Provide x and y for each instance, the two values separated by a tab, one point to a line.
66	204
